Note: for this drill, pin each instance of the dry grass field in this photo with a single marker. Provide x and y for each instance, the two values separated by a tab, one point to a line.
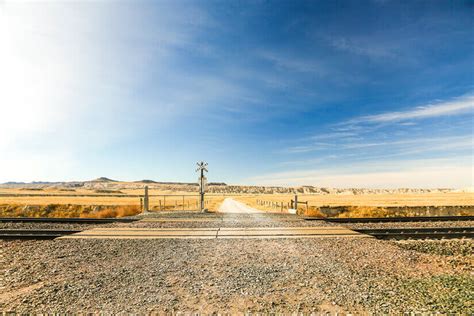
426	199
366	205
51	202
80	202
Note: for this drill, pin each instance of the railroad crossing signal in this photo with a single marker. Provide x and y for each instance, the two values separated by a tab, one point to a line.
202	180
201	166
202	184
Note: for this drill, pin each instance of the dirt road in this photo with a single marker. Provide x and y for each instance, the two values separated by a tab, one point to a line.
232	206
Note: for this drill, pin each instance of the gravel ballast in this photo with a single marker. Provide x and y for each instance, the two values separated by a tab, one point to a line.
233	275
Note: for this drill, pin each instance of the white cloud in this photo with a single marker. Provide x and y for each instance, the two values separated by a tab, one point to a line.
30	166
464	141
77	62
426	173
403	146
69	73
454	107
369	156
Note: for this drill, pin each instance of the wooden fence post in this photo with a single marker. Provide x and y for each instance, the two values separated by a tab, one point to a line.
145	200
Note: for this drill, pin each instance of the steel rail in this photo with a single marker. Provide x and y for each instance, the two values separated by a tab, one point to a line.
391	219
419	233
389	233
34	233
74	220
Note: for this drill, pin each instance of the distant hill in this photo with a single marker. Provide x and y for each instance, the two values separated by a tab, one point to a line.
103	179
104	183
146	181
466	190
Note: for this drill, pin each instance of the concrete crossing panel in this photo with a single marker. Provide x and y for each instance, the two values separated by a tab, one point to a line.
209	233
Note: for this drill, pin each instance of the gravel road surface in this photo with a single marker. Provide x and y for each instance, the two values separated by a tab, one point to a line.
236	275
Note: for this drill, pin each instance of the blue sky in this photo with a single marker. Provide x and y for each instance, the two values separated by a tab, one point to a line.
324	93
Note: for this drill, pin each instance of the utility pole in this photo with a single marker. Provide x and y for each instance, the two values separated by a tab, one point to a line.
202	180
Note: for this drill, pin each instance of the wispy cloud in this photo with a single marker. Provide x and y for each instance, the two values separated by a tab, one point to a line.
454	107
60	64
333	135
74	78
369	151
440	141
452	173
195	78
312	161
375	149
369	49
308	148
294	63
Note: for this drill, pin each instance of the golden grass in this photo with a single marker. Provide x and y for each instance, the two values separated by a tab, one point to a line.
312	212
214	202
68	211
72	204
176	203
377	200
369	205
120	211
112	205
173	200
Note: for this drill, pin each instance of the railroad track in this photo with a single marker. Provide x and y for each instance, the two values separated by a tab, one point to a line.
419	233
333	220
392	219
34	233
389	233
66	220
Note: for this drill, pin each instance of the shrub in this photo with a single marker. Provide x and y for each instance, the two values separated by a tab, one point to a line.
312	211
364	211
114	211
108	191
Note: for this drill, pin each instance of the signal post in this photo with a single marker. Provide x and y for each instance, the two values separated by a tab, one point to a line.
202	180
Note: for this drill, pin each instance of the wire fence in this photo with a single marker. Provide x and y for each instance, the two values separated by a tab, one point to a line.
281	206
172	202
